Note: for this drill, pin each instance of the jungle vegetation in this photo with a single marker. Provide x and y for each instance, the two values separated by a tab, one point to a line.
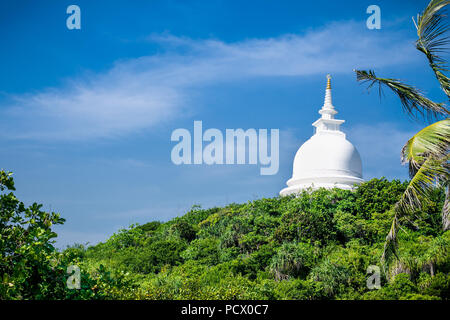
318	245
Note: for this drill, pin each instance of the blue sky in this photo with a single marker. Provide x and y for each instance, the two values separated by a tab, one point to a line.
86	115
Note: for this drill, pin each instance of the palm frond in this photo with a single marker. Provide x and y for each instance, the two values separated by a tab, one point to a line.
416	193
422	184
390	245
432	31
414	103
433	140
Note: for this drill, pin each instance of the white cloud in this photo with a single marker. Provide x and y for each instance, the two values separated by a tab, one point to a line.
141	93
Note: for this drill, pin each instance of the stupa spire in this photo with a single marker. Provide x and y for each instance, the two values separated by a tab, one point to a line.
327	123
328	110
328	103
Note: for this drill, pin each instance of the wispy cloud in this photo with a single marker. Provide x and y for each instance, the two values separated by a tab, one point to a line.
141	93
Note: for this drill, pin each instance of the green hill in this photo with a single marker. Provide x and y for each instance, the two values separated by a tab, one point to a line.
318	245
315	246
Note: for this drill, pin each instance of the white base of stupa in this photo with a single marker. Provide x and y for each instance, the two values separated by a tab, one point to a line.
314	183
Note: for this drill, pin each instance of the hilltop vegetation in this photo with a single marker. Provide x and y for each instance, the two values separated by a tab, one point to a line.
314	246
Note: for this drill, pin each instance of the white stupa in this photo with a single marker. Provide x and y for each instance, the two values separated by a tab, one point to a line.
327	159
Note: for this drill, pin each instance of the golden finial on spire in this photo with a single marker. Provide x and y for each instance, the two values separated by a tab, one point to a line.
328	81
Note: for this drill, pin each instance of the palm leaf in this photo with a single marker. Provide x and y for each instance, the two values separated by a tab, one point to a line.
433	141
416	193
422	184
390	245
431	31
414	103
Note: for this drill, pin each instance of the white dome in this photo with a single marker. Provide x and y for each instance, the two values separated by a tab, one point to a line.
327	154
327	159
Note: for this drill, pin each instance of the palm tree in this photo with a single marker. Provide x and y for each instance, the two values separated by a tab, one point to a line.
426	152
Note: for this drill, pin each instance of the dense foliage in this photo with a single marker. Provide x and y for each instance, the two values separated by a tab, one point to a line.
314	246
30	266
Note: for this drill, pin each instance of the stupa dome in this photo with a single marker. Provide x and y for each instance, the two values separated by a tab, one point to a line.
327	159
